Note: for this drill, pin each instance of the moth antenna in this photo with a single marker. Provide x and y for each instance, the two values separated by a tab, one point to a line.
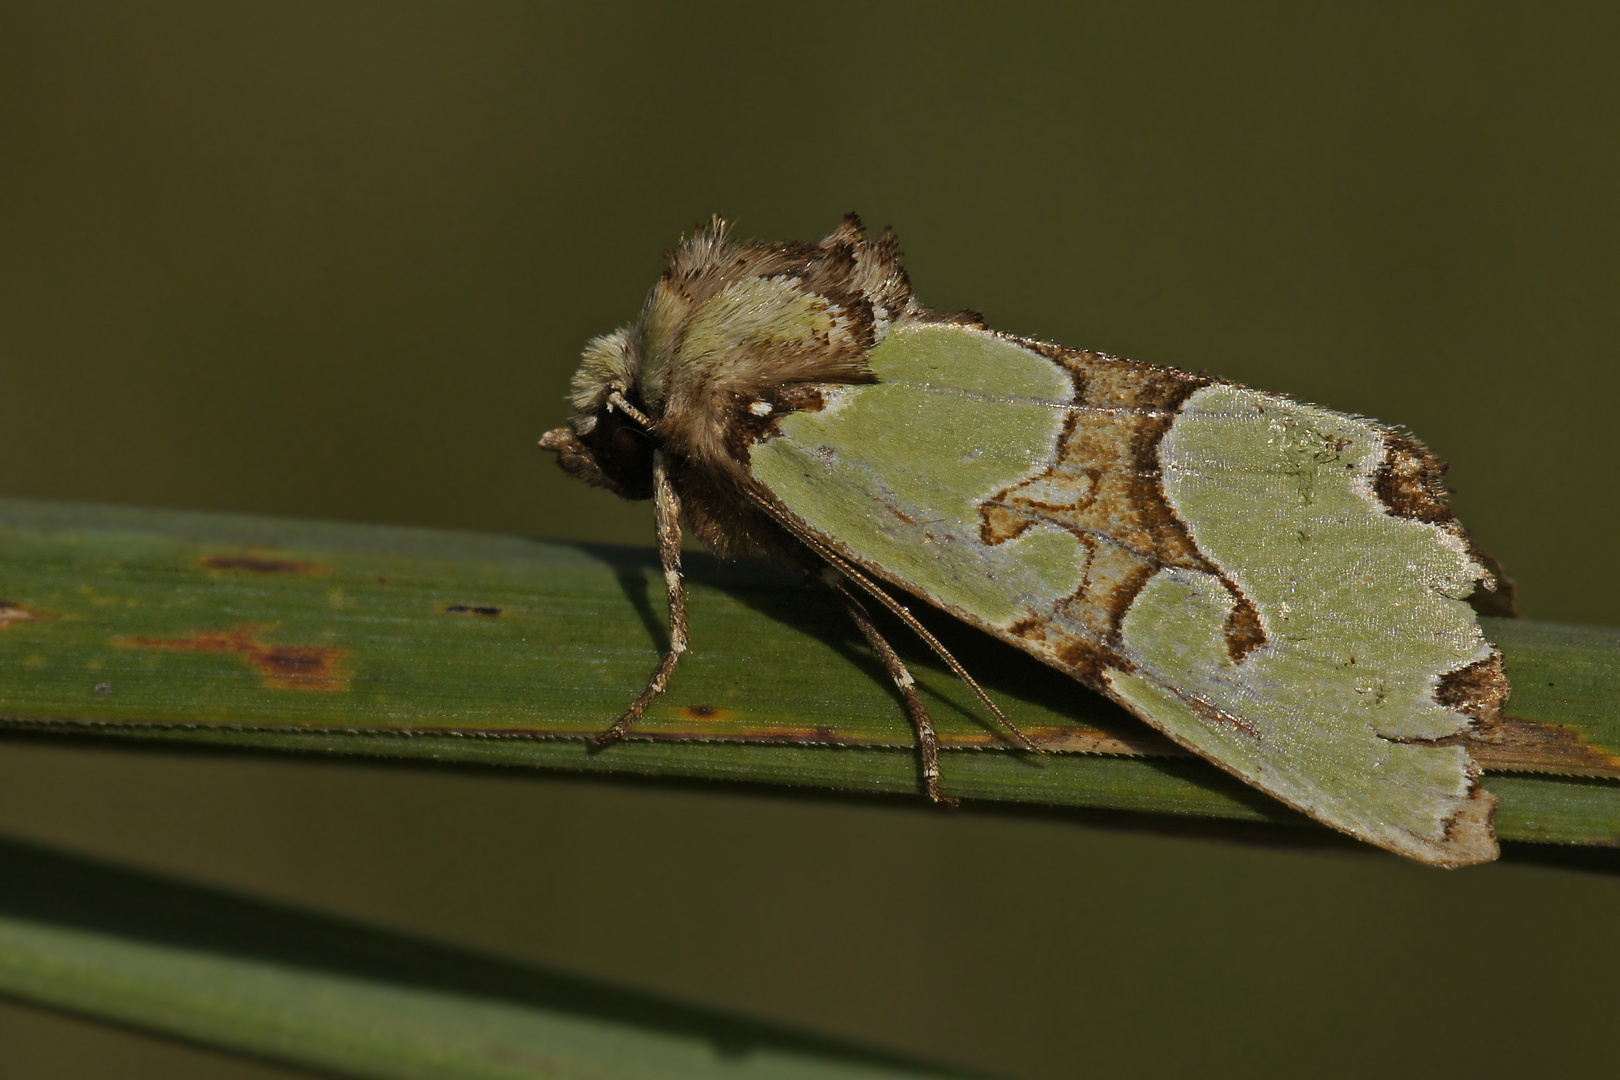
667	514
921	722
617	400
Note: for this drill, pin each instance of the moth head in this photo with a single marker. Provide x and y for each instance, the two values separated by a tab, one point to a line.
730	327
607	442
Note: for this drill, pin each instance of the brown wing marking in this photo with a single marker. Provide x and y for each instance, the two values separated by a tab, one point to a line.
1410	484
1104	488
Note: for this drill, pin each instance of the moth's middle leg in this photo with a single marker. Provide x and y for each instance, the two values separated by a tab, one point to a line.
921	721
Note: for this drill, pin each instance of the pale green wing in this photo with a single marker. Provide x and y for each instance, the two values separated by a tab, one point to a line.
896	471
1362	611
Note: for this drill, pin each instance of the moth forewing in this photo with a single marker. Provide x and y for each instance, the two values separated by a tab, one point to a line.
1275	586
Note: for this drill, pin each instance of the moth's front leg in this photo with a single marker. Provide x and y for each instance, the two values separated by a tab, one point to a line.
667	515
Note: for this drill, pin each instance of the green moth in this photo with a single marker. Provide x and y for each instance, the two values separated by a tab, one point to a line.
1276	587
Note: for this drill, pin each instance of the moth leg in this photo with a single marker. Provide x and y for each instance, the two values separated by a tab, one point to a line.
667	515
846	573
843	571
927	738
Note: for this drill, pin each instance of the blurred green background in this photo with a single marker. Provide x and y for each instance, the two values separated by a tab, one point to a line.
337	260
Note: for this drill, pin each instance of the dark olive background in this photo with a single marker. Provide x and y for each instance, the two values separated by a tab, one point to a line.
337	259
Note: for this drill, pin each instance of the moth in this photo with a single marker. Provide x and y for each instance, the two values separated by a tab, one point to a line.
1276	587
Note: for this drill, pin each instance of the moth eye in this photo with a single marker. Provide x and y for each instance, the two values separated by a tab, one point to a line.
621	451
760	408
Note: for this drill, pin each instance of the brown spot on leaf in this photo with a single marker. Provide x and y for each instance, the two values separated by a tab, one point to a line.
262	564
1535	747
704	712
1082	740
284	667
468	609
16	613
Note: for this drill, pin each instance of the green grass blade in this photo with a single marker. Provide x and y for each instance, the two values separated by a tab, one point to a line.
290	986
409	643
